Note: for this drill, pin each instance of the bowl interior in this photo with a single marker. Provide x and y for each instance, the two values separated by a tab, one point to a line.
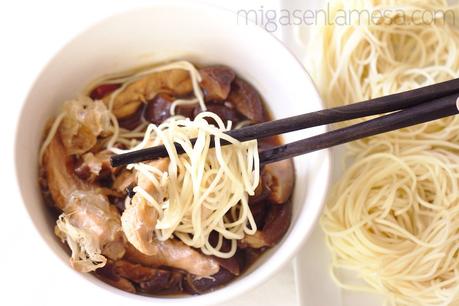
200	34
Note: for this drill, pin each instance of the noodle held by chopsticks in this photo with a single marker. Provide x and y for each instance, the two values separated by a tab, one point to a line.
188	197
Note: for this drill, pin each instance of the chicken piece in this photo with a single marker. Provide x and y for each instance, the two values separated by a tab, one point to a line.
276	225
92	229
84	121
59	173
145	183
139	218
138	222
175	254
89	224
247	101
175	81
216	82
102	90
124	180
280	177
94	166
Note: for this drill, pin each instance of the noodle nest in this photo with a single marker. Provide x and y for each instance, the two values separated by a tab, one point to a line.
392	219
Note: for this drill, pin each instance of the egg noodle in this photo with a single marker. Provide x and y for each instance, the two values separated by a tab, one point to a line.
392	219
369	59
199	187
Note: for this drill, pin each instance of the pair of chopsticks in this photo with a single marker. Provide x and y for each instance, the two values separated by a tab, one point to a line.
406	109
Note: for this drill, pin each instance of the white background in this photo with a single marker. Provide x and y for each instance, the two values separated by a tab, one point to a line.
31	32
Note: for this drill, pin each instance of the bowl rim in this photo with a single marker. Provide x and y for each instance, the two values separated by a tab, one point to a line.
292	242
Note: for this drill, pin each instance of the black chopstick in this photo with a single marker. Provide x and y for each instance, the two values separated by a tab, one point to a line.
376	106
437	109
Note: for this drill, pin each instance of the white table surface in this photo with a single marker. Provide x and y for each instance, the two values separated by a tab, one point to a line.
31	32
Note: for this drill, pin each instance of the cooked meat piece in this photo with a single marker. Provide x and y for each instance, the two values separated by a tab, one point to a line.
276	225
139	221
84	172
280	178
90	225
101	91
224	111
118	202
216	82
158	109
84	121
199	285
175	254
247	101
145	183
175	81
124	180
134	120
95	166
139	218
59	172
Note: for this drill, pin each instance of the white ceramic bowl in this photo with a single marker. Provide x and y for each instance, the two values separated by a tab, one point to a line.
177	30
